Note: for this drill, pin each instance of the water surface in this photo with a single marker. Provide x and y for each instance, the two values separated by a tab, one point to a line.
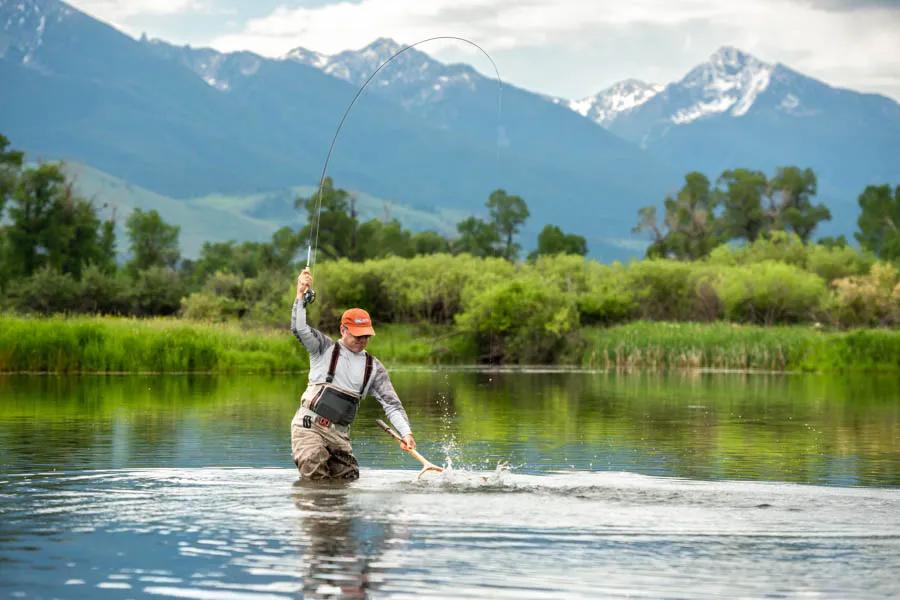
614	486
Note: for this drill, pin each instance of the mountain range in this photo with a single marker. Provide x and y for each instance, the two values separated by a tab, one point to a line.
188	122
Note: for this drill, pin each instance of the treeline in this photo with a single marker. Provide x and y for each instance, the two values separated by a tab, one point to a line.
745	206
739	251
341	235
58	255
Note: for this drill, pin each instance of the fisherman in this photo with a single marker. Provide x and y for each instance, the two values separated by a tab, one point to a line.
341	374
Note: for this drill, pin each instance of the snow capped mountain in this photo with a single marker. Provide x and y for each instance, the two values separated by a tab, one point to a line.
218	70
413	78
356	66
729	82
735	110
608	105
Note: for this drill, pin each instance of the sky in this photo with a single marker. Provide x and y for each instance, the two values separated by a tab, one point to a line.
566	48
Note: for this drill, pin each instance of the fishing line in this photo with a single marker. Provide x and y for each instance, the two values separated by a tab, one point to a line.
312	250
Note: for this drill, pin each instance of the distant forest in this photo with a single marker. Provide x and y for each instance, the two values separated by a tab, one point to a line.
740	248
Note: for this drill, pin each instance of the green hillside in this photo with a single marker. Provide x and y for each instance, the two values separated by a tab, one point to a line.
218	218
198	223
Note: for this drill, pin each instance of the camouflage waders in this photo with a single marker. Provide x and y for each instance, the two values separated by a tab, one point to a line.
321	452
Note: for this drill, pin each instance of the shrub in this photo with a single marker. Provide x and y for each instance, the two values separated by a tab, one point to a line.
268	298
203	306
46	291
157	291
521	321
778	246
662	289
835	262
770	292
872	299
102	293
608	299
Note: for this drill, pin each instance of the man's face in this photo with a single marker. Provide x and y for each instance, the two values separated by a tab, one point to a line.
354	343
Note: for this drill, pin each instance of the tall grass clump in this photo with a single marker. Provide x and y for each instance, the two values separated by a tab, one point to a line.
645	345
106	344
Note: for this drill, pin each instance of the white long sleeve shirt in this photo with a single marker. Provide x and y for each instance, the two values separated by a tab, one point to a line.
350	369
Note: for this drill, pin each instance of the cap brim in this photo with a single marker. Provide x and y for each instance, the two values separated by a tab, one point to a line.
358	331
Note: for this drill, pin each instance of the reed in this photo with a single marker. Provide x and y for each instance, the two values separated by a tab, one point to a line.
107	344
664	345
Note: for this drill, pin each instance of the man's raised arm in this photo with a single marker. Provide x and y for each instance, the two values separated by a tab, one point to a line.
315	341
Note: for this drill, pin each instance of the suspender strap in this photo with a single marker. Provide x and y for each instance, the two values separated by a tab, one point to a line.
332	366
335	353
367	374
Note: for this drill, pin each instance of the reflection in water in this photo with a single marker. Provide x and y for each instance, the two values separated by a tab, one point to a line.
340	543
250	534
838	430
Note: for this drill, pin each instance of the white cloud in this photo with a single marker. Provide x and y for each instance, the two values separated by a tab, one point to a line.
116	11
496	23
853	49
572	48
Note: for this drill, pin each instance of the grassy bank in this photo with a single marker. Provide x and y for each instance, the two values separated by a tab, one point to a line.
105	344
655	345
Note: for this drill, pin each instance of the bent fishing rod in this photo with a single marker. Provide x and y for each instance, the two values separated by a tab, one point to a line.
312	249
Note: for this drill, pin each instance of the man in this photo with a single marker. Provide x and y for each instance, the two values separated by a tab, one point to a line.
341	374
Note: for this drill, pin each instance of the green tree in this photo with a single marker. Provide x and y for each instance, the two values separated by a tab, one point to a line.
879	221
282	251
383	239
337	222
508	214
247	258
791	207
830	241
154	243
429	242
691	227
552	240
476	238
742	191
10	167
108	246
51	226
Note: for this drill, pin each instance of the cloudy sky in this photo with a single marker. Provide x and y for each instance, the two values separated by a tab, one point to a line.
569	48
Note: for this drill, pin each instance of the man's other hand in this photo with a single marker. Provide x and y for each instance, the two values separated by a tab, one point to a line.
408	442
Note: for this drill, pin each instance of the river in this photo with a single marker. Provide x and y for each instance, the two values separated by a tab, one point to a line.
560	485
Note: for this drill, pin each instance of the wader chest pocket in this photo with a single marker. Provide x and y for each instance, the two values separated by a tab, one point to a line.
335	405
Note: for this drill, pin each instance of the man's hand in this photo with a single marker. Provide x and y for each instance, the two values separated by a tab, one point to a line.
408	442
304	282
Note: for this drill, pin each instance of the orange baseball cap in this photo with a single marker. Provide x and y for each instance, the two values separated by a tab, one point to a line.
358	322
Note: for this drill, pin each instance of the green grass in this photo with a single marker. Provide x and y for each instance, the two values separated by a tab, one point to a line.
108	344
105	344
656	345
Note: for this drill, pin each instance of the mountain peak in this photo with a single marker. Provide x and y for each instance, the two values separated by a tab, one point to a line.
619	98
730	81
384	47
731	57
307	57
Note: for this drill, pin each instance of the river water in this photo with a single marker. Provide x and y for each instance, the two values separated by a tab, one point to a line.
561	485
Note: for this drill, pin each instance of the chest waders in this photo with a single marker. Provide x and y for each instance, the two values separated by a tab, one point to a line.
337	405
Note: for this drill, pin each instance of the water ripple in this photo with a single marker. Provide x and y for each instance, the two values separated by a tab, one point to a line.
256	534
